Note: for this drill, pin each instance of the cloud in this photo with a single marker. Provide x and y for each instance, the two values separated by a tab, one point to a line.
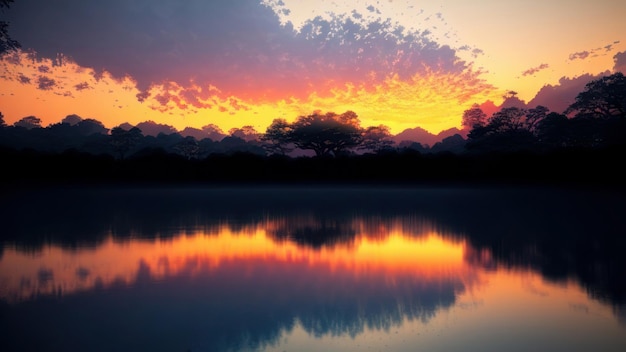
558	97
239	47
45	83
23	79
533	70
620	62
602	51
82	86
579	55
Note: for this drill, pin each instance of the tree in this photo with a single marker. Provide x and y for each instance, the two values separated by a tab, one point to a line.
2	123
508	119
376	138
28	122
473	117
507	130
6	43
601	98
552	130
123	140
247	133
88	127
277	137
213	132
188	147
327	134
534	117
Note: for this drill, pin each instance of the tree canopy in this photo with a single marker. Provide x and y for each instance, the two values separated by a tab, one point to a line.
601	98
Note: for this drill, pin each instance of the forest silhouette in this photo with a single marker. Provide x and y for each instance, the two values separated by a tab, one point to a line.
580	145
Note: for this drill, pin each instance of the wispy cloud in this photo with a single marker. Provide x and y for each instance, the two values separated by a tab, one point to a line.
531	71
582	55
601	51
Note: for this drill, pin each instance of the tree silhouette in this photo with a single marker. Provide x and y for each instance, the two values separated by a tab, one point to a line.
327	134
6	43
277	137
188	148
602	98
247	133
28	122
510	129
2	123
473	117
123	140
376	139
534	116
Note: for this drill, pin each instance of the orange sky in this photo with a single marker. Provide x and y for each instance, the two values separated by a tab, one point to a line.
447	56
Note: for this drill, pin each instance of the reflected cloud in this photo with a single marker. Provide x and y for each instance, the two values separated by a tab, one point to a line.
233	269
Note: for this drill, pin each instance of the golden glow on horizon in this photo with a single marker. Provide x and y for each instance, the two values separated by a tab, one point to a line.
434	101
506	47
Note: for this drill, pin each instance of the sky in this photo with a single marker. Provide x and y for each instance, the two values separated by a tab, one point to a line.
237	63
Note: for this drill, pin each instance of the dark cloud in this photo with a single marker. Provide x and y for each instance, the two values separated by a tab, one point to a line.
620	62
82	86
45	83
238	46
533	70
23	79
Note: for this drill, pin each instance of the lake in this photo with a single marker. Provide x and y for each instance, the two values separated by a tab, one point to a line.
313	269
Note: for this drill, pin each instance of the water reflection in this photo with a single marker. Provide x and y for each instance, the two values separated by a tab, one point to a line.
344	270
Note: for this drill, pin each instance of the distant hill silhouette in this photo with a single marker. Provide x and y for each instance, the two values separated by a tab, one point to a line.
424	137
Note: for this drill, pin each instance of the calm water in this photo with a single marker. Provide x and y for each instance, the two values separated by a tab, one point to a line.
324	269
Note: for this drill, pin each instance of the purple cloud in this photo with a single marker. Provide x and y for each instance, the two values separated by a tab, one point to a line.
238	46
82	86
558	97
620	62
579	55
533	70
23	79
45	83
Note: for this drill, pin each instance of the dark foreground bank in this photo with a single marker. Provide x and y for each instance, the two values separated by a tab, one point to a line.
595	168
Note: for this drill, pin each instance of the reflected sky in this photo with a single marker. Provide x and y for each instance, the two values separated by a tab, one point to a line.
303	280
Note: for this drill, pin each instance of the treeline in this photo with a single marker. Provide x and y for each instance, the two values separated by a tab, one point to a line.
581	145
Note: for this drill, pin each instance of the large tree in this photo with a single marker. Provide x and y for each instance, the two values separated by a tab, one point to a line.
601	98
277	137
474	117
326	134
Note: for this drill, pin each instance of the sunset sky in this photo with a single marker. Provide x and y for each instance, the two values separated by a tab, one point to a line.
232	63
